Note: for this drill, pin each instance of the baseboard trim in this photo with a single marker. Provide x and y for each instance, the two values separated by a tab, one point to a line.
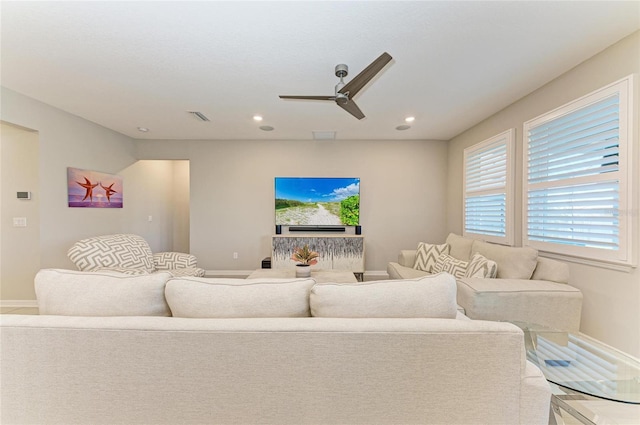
18	303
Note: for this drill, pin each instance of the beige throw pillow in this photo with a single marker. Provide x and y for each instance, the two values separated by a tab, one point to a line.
513	263
429	296
479	266
427	254
225	298
104	293
453	266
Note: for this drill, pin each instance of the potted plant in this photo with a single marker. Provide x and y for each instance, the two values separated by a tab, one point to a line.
305	258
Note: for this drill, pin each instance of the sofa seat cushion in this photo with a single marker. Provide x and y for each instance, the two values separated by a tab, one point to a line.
551	304
227	298
430	296
100	293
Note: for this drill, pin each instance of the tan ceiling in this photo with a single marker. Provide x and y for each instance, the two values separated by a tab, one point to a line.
146	63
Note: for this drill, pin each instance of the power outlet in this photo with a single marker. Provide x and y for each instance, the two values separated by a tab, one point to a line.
235	255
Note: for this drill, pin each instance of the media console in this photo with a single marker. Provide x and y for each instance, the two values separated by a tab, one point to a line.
337	251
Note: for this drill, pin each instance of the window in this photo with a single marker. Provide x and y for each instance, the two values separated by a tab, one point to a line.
577	177
488	189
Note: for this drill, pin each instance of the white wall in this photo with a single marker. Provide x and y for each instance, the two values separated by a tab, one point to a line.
232	193
20	246
611	308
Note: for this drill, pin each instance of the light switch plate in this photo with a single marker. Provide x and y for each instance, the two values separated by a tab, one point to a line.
19	221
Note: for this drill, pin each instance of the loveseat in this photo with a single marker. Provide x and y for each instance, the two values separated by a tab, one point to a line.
524	287
261	351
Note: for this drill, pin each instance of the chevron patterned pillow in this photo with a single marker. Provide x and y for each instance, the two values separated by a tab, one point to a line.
427	255
480	266
451	265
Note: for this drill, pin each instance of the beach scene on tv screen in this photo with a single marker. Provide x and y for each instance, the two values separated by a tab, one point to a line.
317	201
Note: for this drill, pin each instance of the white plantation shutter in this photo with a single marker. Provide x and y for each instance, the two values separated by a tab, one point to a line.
576	171
488	179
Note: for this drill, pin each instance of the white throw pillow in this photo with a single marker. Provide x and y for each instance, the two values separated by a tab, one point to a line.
225	298
448	264
479	266
104	293
427	255
429	296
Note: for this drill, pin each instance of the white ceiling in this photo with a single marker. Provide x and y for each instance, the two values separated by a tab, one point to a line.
145	63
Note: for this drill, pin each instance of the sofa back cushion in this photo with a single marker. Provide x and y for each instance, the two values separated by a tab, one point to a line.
459	246
112	251
513	263
430	296
552	270
104	293
226	298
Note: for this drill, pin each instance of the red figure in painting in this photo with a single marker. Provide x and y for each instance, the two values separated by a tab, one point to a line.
89	187
108	191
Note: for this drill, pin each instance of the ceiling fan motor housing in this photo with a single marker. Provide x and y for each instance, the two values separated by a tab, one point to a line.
342	70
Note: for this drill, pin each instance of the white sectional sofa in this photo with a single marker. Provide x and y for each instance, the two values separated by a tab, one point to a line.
527	287
262	351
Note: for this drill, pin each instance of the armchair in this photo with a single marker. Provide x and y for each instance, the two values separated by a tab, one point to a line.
130	254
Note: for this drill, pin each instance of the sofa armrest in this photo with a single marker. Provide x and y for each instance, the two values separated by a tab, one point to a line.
407	257
174	260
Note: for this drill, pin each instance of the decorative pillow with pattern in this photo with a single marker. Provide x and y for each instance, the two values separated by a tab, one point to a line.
427	255
480	266
448	264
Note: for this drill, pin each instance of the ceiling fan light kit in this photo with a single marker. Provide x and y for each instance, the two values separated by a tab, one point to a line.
344	93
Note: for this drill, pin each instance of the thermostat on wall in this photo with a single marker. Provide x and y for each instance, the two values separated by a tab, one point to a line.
24	195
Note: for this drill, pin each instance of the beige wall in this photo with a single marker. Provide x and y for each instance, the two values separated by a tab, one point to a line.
67	141
232	193
611	309
160	190
19	246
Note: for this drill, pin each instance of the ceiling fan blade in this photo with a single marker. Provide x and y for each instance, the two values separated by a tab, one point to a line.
361	80
351	107
309	97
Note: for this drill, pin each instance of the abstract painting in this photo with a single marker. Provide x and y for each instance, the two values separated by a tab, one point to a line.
91	189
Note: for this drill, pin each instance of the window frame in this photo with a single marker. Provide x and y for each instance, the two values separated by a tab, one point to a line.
506	138
627	226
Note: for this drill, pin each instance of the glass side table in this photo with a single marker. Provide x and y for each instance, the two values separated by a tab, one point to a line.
592	382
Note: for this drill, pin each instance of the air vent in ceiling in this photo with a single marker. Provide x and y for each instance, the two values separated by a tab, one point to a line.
324	135
199	115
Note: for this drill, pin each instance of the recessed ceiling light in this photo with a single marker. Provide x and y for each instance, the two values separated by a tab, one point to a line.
403	127
257	118
266	128
410	119
143	129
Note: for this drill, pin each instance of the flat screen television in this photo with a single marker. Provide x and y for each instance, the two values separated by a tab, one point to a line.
317	201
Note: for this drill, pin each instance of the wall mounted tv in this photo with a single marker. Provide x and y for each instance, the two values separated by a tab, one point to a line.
317	201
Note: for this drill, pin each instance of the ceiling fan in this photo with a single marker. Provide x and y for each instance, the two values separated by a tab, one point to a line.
344	92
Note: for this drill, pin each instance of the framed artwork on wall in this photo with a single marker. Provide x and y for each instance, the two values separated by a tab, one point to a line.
92	189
